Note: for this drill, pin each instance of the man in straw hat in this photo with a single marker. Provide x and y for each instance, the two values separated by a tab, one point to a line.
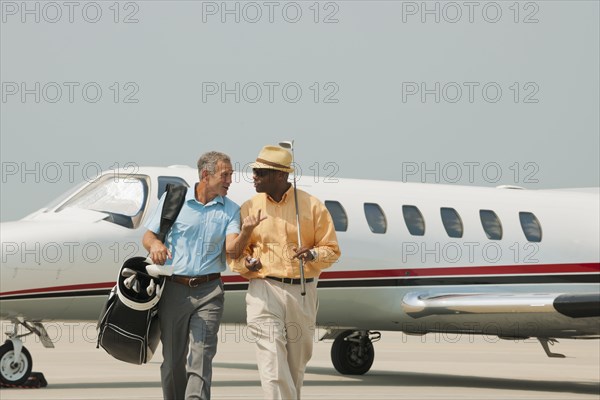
280	317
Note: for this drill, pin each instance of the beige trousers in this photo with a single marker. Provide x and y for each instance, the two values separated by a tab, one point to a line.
282	323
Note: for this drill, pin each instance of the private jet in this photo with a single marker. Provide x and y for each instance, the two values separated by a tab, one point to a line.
418	258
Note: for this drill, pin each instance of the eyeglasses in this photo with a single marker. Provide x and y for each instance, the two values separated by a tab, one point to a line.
262	171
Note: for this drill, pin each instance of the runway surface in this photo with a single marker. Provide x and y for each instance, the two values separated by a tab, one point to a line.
435	366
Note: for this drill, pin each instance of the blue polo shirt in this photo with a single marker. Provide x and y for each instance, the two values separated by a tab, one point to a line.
197	238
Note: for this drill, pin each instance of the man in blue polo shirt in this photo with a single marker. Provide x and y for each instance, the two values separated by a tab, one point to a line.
206	230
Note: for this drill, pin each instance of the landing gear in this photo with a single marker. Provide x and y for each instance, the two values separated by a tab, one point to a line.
352	352
15	359
544	342
15	363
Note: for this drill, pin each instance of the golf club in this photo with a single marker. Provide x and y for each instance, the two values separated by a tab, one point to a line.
129	281
151	287
290	146
127	272
136	286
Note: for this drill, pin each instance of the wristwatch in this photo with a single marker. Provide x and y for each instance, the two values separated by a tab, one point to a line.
313	253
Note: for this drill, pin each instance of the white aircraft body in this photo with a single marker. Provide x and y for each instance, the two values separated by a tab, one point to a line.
416	258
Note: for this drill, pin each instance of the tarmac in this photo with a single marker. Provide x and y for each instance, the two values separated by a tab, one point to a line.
434	366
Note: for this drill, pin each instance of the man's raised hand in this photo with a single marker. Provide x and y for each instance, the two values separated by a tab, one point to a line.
252	221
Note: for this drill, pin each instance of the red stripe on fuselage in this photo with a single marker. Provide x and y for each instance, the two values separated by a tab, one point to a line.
67	288
524	269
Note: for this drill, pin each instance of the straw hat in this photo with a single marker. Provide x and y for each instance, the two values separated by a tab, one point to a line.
274	157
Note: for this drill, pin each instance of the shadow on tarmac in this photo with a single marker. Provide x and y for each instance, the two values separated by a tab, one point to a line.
379	378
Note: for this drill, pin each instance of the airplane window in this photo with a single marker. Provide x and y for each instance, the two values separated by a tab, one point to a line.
452	222
163	181
531	226
375	218
414	220
64	196
123	199
491	224
338	214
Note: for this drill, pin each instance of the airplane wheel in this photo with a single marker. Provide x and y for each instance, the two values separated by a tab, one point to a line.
352	356
14	371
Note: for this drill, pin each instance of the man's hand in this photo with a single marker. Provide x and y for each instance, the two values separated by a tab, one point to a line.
252	221
236	243
253	264
159	253
304	253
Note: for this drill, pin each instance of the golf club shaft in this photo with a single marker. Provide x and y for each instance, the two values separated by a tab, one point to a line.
302	280
290	145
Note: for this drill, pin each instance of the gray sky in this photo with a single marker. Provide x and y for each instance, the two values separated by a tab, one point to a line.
475	93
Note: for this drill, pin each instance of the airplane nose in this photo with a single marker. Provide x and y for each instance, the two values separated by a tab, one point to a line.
10	246
10	282
38	254
46	261
22	246
19	253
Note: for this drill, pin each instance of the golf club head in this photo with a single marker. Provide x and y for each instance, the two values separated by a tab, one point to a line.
151	287
136	286
127	272
159	290
287	144
129	281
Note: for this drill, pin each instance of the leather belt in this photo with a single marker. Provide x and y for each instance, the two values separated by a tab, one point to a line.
291	281
194	281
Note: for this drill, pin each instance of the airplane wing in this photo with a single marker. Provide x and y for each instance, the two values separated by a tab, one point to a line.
419	305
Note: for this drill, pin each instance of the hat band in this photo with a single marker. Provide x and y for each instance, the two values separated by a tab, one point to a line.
272	164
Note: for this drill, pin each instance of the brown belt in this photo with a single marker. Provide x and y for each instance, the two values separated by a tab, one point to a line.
290	281
193	281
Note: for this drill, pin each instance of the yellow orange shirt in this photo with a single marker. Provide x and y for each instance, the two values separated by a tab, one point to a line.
274	238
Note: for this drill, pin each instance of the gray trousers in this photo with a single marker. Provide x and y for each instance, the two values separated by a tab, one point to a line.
189	322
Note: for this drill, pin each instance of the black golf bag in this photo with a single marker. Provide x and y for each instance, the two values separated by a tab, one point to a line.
128	327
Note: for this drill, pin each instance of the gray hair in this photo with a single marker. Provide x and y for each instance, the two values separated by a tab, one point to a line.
208	161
